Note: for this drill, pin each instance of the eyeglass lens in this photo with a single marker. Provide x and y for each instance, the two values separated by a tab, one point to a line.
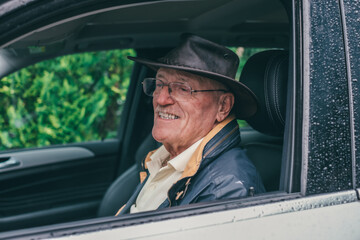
153	87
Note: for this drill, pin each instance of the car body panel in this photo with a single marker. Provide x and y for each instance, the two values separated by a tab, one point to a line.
293	219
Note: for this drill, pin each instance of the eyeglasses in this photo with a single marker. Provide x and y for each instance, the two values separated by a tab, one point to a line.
177	90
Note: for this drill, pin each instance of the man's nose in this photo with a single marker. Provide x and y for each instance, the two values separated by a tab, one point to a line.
164	98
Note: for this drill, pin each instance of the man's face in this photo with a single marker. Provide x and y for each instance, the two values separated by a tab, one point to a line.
180	124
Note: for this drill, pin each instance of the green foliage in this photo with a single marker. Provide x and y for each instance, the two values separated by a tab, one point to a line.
68	99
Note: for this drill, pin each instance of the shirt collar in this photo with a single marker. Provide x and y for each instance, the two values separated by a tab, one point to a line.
178	163
156	159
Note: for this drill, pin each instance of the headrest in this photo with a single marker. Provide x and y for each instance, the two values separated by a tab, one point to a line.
266	74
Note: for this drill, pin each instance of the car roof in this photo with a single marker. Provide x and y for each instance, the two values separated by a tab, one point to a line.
99	25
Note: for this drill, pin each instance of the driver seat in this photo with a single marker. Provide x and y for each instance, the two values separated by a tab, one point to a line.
123	187
266	74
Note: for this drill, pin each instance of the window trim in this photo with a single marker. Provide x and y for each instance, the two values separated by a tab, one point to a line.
99	224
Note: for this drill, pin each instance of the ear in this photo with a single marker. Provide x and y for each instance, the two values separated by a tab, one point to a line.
226	102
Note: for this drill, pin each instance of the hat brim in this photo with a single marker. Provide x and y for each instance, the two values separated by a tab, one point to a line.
246	103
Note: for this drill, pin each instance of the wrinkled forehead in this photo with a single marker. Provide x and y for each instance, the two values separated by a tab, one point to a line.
173	75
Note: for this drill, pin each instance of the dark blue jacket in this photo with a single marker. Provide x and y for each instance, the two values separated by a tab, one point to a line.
219	169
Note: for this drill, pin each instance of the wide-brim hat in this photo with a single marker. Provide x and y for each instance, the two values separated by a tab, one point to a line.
208	59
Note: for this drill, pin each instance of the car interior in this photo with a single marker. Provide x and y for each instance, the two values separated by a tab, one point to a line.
76	181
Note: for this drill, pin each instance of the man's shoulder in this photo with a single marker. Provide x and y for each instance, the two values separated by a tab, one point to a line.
229	175
231	162
235	156
234	162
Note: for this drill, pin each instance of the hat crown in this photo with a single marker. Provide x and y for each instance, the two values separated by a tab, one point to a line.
198	53
207	59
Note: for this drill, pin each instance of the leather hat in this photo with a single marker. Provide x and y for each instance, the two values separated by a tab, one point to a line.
208	59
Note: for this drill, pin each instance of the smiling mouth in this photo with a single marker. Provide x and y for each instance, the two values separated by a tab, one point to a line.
163	115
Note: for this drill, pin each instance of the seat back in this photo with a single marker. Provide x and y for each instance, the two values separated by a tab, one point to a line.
123	187
266	74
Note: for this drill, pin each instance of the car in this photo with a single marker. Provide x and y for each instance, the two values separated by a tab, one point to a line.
75	124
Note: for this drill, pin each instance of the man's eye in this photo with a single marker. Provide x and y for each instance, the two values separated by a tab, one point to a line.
180	88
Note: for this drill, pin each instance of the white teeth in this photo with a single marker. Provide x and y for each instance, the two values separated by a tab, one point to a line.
167	116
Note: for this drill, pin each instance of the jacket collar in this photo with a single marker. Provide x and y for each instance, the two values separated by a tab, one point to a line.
220	138
214	143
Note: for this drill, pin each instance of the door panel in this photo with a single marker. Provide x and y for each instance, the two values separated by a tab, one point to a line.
28	159
52	185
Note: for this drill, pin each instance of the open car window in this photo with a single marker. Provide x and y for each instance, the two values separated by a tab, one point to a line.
75	119
72	98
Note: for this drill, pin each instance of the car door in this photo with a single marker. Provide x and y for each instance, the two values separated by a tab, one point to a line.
327	205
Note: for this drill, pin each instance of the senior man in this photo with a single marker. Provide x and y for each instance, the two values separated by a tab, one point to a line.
196	102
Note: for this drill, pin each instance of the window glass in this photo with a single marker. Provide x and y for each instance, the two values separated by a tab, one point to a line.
352	23
329	155
68	99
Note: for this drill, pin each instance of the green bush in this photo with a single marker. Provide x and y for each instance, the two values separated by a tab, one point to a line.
68	99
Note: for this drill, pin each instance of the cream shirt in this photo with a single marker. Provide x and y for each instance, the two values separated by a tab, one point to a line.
161	179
